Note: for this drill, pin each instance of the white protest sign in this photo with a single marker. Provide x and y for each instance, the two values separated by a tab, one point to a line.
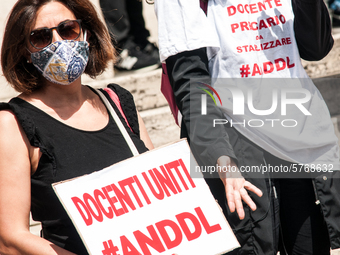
148	204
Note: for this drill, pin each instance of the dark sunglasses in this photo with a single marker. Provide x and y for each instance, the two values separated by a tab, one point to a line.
68	30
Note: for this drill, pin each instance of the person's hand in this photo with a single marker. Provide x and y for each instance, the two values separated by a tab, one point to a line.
236	186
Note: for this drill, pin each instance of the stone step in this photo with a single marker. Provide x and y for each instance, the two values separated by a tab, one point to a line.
161	126
145	87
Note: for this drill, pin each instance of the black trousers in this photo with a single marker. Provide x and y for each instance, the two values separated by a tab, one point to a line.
287	218
302	226
124	19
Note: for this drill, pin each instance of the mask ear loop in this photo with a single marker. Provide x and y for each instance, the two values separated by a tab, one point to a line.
85	35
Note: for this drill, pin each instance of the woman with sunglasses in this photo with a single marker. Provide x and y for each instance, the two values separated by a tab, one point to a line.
57	128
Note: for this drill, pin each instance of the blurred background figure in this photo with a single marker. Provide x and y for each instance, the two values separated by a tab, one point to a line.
125	21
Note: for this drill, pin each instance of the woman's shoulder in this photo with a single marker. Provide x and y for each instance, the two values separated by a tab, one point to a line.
14	116
4	106
9	125
7	116
128	105
120	91
125	98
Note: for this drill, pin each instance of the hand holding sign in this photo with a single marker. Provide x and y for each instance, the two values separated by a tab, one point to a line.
235	186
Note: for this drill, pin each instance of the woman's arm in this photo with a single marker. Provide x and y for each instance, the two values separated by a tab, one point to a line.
144	136
313	30
15	192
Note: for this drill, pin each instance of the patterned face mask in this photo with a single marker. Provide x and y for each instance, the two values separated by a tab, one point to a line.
62	62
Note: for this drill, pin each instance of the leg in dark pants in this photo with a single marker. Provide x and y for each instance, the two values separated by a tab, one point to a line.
258	232
116	18
137	24
124	19
303	228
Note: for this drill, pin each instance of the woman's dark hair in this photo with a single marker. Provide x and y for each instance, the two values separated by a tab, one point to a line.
23	76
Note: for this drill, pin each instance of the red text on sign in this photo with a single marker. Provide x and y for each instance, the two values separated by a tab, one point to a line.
253	8
264	46
168	232
266	67
264	23
129	194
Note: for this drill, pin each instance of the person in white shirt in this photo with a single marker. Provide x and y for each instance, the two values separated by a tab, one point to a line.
228	48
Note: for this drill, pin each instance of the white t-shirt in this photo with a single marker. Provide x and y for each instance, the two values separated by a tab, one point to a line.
183	26
284	114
